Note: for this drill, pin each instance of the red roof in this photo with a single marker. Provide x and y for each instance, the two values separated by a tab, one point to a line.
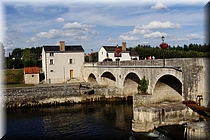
31	70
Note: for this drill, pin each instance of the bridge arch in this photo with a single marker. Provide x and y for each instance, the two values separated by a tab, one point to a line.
168	87
107	78
92	78
130	83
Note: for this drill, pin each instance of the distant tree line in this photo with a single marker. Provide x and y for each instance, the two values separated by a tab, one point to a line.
24	58
187	51
32	56
92	57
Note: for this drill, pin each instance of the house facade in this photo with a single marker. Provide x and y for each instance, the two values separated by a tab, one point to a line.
31	75
108	52
61	63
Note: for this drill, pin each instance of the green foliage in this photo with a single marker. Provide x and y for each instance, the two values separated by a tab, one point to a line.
93	58
14	76
29	63
17	51
30	57
16	64
143	85
190	51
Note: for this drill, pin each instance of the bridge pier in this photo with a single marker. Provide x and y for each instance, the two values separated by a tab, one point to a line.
198	130
148	117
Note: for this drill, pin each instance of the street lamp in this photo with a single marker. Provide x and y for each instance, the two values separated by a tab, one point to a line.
164	46
91	55
117	54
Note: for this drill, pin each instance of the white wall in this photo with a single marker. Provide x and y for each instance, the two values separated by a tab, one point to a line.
31	78
102	54
59	71
44	63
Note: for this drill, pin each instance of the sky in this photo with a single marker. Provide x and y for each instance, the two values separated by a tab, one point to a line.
95	23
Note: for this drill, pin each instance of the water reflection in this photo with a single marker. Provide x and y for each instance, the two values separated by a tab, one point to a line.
76	122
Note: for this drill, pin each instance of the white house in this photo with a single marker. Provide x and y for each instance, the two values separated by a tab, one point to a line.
63	62
107	53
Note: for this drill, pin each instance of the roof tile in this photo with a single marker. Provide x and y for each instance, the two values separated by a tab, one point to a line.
31	70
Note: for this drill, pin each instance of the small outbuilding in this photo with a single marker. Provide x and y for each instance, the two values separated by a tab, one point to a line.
31	75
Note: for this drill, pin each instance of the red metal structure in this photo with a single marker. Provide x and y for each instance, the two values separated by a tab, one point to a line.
117	52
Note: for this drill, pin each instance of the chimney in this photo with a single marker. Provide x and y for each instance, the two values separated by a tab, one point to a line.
123	46
62	45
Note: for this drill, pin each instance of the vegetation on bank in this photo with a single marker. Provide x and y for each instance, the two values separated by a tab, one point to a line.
13	76
18	85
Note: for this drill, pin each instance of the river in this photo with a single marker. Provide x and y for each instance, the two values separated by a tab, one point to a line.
91	121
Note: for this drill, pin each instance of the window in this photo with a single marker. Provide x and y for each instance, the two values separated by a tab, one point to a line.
51	70
51	61
51	53
71	61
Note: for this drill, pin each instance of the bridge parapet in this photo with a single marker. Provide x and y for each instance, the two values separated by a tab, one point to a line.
156	62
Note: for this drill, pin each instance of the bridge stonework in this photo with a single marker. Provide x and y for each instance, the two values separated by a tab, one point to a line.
180	78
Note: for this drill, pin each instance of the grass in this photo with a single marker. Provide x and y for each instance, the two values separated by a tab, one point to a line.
17	85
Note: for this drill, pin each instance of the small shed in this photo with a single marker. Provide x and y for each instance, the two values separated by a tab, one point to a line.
31	75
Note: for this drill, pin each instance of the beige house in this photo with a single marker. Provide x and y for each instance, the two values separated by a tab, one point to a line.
107	53
62	63
31	75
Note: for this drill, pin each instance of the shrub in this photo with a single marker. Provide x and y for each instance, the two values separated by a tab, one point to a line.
143	85
15	76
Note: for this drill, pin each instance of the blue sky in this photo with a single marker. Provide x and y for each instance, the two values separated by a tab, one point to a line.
93	23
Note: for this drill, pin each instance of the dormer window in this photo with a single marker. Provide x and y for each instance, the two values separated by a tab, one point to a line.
51	53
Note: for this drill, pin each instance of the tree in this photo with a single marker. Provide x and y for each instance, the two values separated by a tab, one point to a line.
17	51
29	59
29	63
143	85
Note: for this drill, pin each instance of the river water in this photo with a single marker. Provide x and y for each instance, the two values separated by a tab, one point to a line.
93	121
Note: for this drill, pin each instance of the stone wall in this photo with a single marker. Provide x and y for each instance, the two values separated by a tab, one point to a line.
198	130
192	73
51	95
139	100
148	117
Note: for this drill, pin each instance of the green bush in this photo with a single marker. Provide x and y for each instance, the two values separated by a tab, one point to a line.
14	76
143	85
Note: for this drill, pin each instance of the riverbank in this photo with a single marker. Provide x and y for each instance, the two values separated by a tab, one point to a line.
45	95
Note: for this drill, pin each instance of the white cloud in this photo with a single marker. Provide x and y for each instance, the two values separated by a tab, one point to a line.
53	33
94	32
159	24
128	38
159	6
188	37
77	25
111	39
74	31
195	37
59	20
138	30
146	29
154	35
32	39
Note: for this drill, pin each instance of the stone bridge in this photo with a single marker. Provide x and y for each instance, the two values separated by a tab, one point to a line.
180	78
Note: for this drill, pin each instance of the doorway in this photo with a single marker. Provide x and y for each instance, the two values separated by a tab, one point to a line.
71	73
